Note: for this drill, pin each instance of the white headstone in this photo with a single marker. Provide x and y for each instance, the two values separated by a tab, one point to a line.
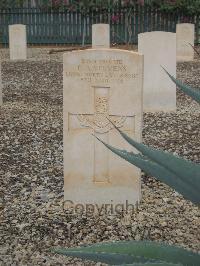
1	87
159	49
17	42
184	40
101	83
100	36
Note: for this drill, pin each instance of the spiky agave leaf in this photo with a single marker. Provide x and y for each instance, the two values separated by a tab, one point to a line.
109	258
161	173
189	172
146	250
152	264
194	94
196	51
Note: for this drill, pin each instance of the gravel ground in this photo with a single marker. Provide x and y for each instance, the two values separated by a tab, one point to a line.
31	171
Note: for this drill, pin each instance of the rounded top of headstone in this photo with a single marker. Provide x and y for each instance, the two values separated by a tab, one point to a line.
100	24
156	36
103	51
178	24
17	25
156	33
185	25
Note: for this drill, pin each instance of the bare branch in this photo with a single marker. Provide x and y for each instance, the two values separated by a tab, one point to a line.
54	51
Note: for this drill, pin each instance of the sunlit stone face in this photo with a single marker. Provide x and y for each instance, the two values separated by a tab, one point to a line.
101	85
17	42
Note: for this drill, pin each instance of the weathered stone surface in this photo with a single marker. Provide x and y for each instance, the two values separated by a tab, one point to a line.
101	83
17	42
159	49
100	36
184	40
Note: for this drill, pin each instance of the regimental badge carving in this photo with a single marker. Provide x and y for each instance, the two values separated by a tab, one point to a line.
99	122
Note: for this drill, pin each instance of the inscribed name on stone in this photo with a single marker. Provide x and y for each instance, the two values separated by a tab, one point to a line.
100	36
17	42
184	40
159	49
101	84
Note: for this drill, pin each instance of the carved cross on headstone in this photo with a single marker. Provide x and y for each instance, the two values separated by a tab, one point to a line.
99	122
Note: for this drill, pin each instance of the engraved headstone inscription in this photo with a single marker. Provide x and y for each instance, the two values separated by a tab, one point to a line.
101	85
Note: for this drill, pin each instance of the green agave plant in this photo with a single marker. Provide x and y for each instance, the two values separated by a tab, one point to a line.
193	93
134	253
181	175
195	50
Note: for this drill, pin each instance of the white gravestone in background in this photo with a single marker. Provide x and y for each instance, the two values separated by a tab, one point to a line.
1	87
100	36
17	42
159	49
101	83
185	37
